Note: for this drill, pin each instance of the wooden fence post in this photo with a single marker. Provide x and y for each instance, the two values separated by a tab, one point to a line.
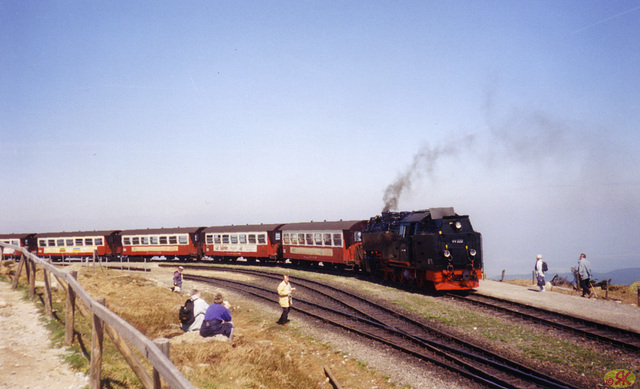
97	337
606	292
163	344
71	310
32	279
20	266
502	279
47	294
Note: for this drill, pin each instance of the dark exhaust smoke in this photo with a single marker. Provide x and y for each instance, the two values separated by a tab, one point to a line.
423	162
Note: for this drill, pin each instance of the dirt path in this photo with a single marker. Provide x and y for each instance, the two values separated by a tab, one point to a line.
27	359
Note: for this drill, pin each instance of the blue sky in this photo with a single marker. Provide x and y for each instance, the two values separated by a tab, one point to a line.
523	115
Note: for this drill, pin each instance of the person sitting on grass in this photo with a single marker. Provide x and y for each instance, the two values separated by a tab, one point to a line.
200	307
217	319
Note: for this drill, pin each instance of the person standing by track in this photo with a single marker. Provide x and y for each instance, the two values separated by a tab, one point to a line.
540	272
584	275
284	299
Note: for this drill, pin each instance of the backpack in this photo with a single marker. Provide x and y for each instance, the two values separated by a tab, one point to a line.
544	267
186	315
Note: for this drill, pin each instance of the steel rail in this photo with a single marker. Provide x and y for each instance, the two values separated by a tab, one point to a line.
598	331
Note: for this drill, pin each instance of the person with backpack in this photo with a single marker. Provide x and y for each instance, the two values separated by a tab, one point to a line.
540	268
192	312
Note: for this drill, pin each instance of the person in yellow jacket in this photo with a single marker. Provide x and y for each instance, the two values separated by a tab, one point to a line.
284	298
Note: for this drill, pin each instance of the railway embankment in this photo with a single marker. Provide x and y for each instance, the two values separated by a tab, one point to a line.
626	316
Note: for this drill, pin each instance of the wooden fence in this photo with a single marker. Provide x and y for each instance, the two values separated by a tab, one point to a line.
120	332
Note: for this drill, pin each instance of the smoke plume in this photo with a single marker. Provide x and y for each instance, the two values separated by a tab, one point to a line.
423	162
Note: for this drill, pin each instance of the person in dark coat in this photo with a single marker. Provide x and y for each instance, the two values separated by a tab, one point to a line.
217	319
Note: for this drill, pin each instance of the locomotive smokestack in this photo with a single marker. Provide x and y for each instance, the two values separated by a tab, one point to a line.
423	161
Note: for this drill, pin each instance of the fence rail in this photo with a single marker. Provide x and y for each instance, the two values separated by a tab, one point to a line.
103	320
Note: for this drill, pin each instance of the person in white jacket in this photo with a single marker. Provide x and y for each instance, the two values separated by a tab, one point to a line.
540	272
199	308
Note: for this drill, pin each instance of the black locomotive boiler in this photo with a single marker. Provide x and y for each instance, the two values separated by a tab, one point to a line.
434	247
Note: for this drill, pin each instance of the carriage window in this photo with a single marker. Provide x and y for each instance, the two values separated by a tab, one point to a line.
163	240
209	239
136	241
98	241
318	239
310	239
154	240
252	238
234	239
218	239
126	240
300	238
294	238
69	242
184	239
262	239
15	242
78	241
173	240
60	242
143	240
43	243
243	238
225	239
286	239
88	241
358	236
327	239
337	240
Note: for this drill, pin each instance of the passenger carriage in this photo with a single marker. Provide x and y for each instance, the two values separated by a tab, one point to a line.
182	242
253	242
79	244
21	240
332	243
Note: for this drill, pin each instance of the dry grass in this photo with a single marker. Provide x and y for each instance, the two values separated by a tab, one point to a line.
263	354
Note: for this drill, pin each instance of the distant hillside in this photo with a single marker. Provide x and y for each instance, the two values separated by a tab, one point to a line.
620	276
617	277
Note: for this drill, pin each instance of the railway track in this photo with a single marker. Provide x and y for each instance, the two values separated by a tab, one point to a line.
605	333
358	315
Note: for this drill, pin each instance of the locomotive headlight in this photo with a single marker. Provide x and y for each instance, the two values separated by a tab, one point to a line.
472	252
458	226
446	253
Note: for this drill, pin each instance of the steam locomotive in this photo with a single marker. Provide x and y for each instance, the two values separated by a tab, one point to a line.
433	248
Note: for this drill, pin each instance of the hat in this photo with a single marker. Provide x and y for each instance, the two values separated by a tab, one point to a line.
539	256
180	267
